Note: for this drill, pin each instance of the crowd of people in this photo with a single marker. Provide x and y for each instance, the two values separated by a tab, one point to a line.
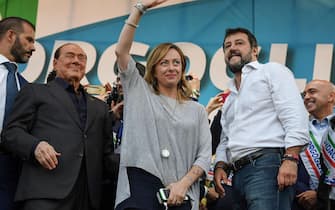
148	144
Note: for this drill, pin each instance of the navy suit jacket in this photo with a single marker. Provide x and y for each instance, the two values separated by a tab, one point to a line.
22	80
301	185
9	171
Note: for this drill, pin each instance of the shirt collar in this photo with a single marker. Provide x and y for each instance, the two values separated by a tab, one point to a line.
320	123
313	119
254	65
67	86
3	59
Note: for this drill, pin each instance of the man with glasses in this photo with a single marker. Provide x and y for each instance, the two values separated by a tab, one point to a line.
60	132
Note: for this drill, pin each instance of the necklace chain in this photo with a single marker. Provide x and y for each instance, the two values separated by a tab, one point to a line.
168	103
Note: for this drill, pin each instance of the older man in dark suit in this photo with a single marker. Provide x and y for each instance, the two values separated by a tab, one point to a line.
60	132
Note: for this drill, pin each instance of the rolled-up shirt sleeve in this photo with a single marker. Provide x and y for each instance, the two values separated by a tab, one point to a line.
221	150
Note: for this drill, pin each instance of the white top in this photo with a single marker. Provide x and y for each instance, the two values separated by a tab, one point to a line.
162	136
267	111
3	83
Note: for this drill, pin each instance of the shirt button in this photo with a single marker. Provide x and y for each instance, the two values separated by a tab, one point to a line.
85	136
81	155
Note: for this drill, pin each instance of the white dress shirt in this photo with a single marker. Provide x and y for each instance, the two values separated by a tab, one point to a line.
3	83
267	111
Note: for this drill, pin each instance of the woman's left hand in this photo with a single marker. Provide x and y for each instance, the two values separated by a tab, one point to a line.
177	193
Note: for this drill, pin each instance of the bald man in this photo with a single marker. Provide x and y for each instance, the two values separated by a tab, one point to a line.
319	98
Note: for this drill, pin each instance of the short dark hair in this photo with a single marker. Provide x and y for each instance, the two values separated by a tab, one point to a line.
57	52
251	37
13	23
51	76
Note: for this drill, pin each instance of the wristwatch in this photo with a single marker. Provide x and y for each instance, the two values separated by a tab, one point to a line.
140	6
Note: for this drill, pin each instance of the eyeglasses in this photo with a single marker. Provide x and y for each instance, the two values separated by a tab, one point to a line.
81	57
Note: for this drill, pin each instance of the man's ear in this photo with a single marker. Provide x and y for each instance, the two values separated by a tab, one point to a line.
331	97
11	35
54	62
255	51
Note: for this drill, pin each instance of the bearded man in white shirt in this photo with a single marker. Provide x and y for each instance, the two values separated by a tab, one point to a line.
264	128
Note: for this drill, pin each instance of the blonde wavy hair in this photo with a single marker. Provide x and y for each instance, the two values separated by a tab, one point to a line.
156	55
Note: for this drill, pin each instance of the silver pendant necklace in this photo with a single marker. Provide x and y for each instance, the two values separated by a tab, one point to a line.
170	105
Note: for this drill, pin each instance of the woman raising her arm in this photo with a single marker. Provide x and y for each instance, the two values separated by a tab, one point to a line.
166	141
